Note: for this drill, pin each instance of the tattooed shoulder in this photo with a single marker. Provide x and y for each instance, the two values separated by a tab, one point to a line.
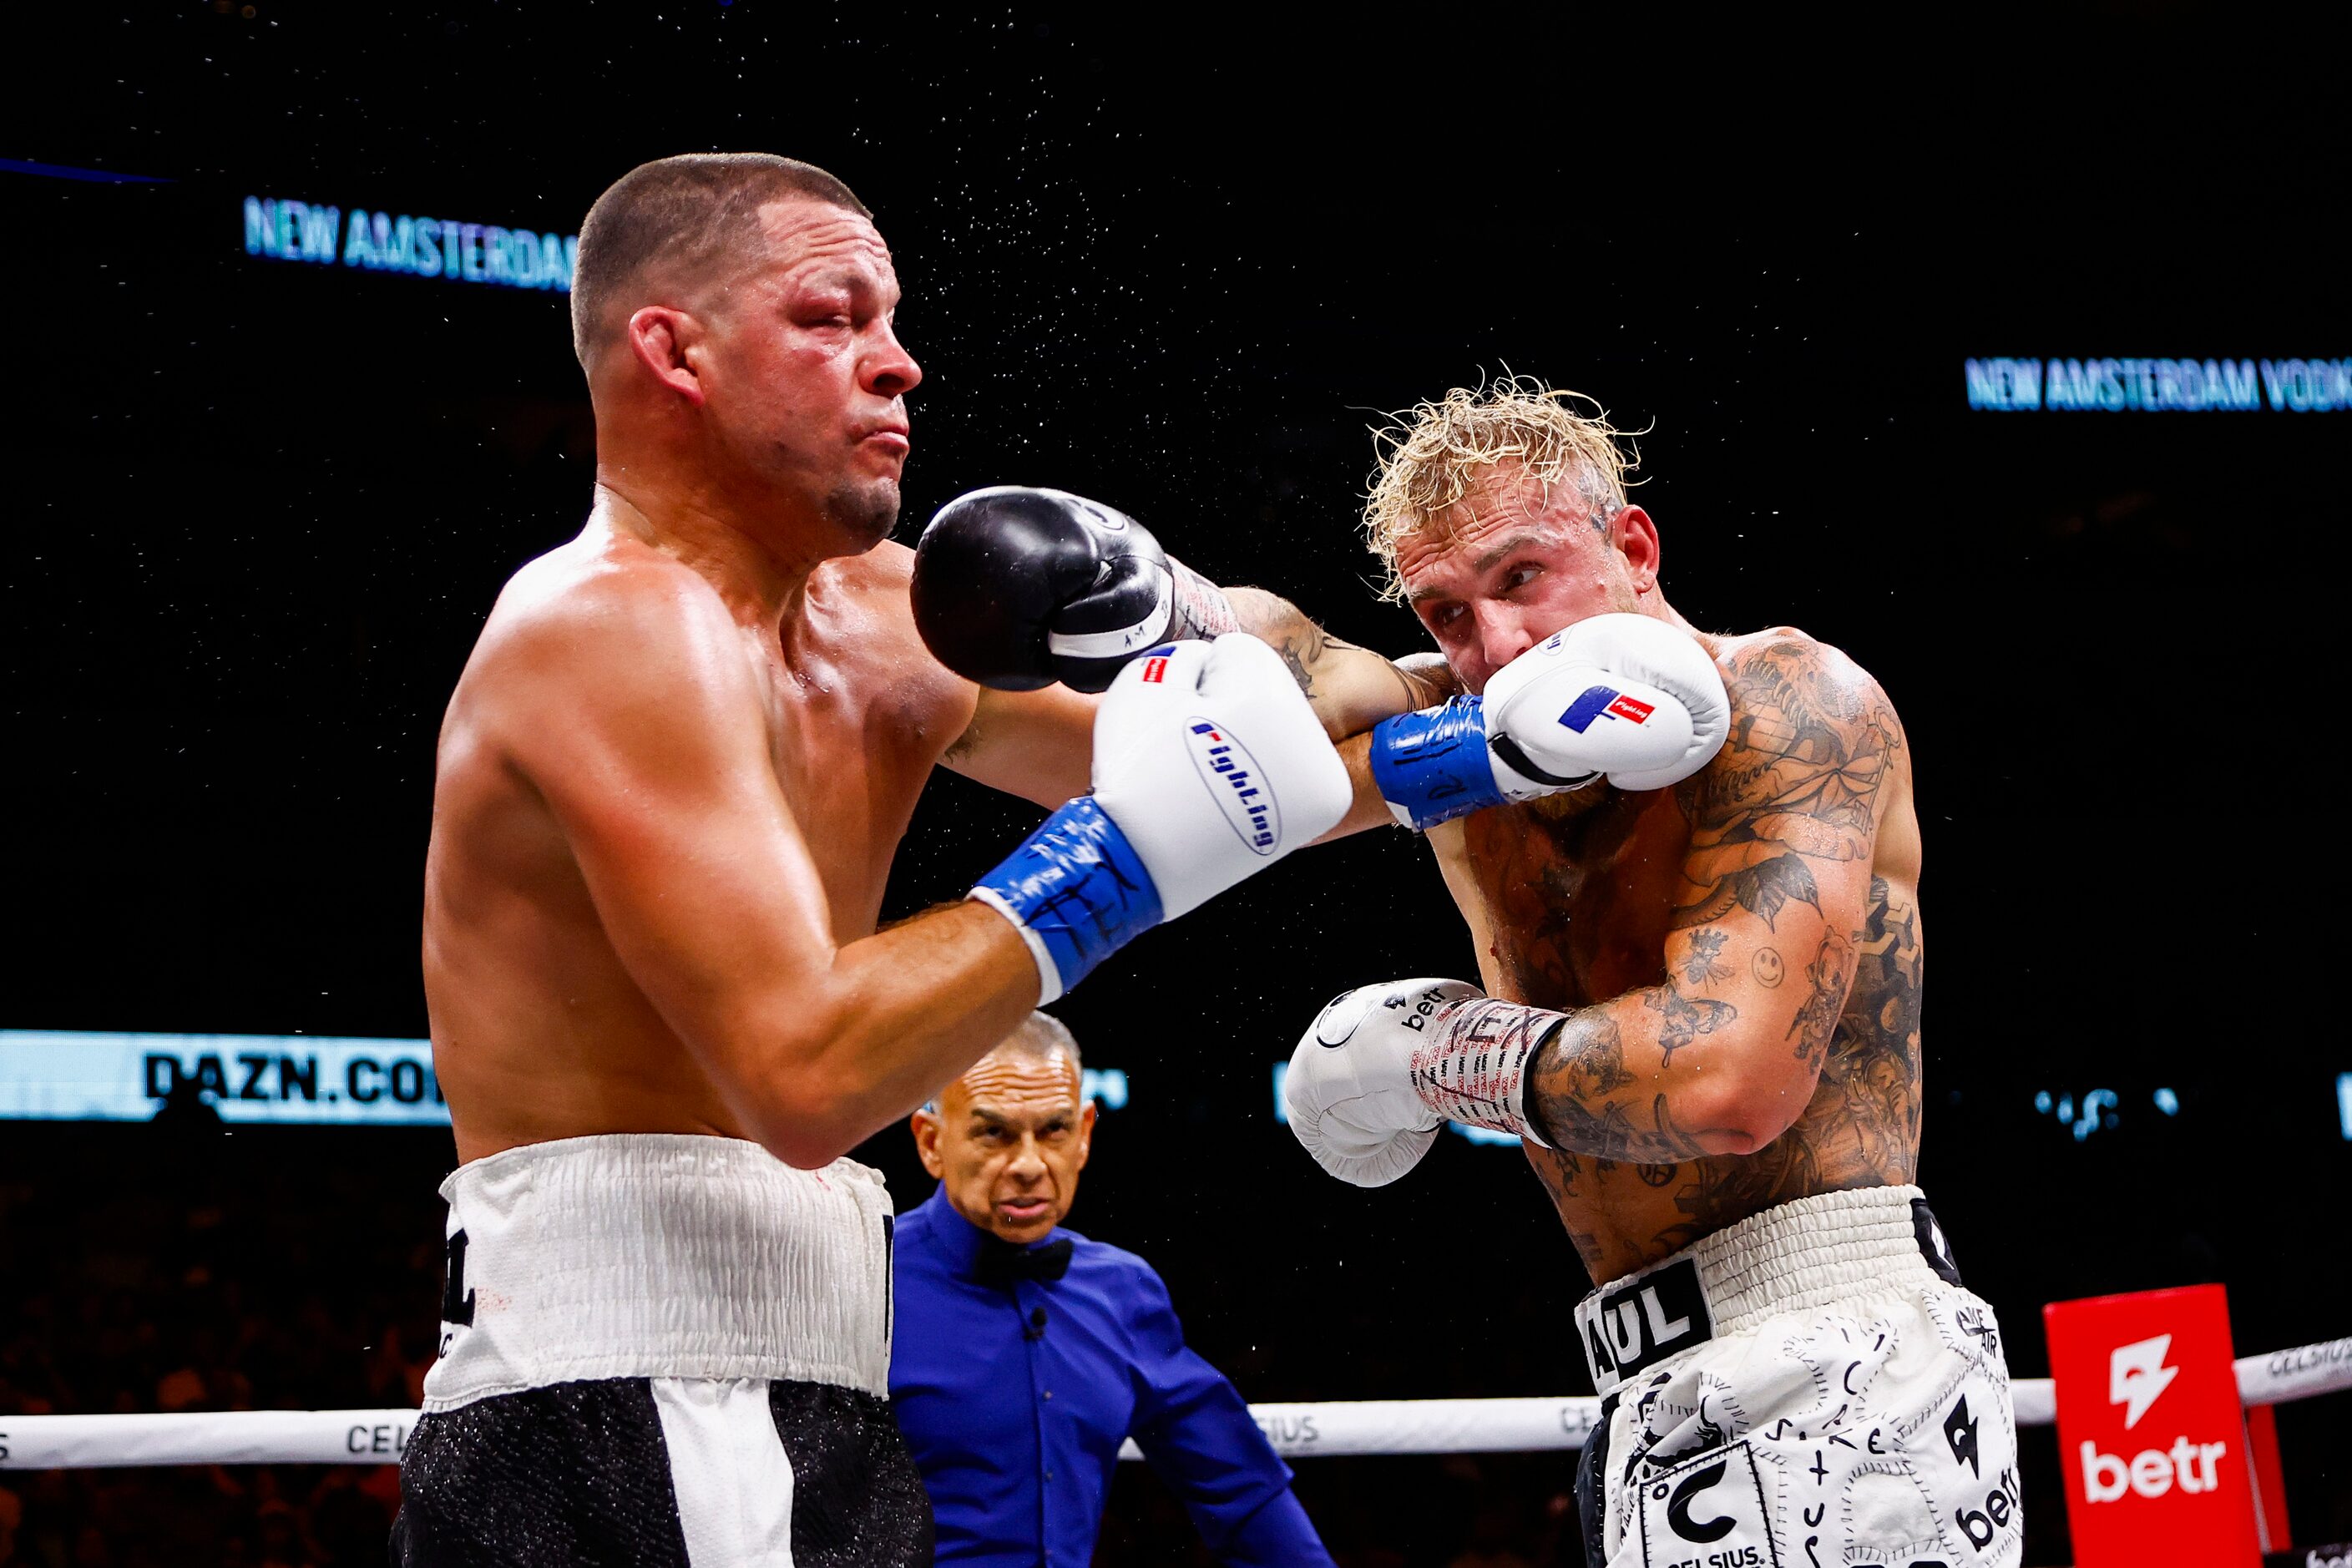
1787	690
1812	738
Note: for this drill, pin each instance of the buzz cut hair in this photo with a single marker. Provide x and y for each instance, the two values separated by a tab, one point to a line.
684	212
1040	1038
1428	458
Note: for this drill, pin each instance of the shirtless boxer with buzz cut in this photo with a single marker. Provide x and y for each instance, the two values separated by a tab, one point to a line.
1699	1013
671	784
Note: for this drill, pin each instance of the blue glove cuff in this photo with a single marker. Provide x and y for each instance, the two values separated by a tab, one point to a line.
1077	885
1432	766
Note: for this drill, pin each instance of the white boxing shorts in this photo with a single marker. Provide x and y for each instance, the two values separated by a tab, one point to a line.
662	1350
1808	1388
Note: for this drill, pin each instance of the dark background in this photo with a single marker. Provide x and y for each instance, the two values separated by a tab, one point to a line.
259	509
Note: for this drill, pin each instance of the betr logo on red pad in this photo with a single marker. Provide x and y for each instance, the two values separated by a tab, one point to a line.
2137	1377
2150	1430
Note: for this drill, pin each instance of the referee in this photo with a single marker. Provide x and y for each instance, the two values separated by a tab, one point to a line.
1025	1354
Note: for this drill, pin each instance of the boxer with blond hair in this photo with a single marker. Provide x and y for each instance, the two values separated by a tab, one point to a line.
1698	1009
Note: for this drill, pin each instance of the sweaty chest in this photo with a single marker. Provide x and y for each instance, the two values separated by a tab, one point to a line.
852	749
1577	893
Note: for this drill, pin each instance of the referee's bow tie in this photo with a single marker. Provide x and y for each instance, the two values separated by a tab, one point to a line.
1001	1262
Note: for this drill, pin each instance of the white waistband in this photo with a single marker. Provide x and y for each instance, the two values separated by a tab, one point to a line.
661	1255
1795	1257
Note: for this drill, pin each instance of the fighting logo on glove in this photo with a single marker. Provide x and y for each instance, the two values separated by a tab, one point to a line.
1157	838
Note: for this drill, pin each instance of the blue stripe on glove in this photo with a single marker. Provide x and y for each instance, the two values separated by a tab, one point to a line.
1078	885
1432	766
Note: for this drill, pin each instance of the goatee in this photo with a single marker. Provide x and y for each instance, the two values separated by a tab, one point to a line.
867	512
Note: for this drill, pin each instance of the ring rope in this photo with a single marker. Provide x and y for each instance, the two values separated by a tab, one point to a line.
1338	1427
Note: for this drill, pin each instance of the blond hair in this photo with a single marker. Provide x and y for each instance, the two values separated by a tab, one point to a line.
1429	457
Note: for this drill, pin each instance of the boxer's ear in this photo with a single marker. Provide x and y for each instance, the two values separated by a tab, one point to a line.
660	337
1636	539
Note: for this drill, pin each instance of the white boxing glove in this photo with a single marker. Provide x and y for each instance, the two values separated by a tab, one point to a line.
1622	695
1212	760
1209	765
1386	1066
1349	1091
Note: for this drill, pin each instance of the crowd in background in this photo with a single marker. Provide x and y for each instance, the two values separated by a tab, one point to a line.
183	1266
165	1286
168	1284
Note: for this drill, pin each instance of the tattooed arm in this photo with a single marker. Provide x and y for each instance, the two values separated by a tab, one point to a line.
1720	1057
1724	1056
1352	689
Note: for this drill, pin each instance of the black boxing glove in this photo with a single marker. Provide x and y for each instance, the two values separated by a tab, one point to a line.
1017	588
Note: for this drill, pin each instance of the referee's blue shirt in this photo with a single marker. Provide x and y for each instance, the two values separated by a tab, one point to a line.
1016	1420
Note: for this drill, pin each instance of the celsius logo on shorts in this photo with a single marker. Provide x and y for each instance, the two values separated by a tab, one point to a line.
1231	773
1606	702
1714	1501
